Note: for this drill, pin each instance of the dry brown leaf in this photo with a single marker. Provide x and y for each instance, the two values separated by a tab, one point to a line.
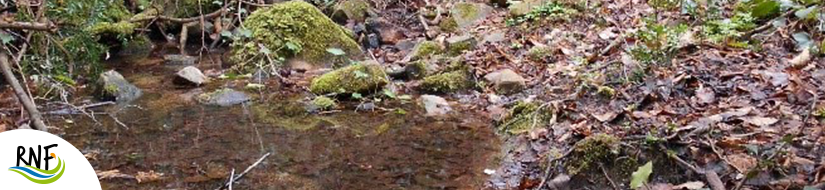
148	176
112	174
742	162
760	121
605	116
802	59
2	127
689	185
705	95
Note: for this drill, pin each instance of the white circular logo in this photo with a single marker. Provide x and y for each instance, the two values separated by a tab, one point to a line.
40	160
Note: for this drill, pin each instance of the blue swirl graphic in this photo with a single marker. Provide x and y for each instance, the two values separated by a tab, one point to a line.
31	172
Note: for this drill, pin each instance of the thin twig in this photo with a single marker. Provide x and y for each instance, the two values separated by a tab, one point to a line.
245	171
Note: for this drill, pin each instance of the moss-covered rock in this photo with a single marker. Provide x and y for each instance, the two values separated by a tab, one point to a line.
447	82
324	103
523	7
467	14
361	78
539	53
594	149
458	44
417	69
356	10
117	28
425	49
523	117
113	87
293	29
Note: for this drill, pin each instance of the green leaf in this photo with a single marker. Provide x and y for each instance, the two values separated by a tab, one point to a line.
6	37
765	9
336	51
639	177
357	96
806	13
226	34
292	46
390	93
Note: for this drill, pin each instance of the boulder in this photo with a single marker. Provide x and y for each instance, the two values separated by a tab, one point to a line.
113	87
506	81
520	8
456	45
435	106
467	14
223	97
190	75
363	77
293	29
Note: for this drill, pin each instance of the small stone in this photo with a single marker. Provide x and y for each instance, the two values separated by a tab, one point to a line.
458	44
190	75
369	106
223	97
435	106
493	37
112	86
506	81
372	41
179	60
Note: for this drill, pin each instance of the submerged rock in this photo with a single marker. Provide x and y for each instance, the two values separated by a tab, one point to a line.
519	8
112	86
458	44
293	29
506	81
435	105
190	75
363	77
223	97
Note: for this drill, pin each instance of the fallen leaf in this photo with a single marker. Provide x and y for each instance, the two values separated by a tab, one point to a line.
112	174
639	177
689	185
148	176
607	34
760	121
802	59
776	78
705	95
606	116
742	162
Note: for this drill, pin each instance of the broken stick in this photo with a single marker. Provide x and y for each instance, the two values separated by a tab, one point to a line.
244	172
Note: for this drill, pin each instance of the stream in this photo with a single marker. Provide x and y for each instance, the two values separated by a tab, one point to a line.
197	146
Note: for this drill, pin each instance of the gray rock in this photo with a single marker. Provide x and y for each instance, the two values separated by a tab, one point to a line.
467	14
223	97
506	81
493	37
405	45
435	105
457	44
112	86
179	60
369	106
191	75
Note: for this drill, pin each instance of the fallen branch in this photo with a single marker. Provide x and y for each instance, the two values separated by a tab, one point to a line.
27	103
244	172
28	26
217	13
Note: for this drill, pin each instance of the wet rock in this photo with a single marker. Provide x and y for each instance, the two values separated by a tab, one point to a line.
506	81
424	50
223	97
179	60
356	10
435	106
520	8
447	82
458	44
113	87
190	75
364	77
293	23
369	106
467	14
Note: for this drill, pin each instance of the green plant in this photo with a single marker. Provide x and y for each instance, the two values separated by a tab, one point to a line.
728	30
550	10
657	42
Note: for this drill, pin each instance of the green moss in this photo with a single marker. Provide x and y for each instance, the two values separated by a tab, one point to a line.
189	8
417	69
606	91
465	11
538	53
291	29
460	44
594	149
523	117
354	9
324	103
426	49
448	25
110	90
446	82
361	78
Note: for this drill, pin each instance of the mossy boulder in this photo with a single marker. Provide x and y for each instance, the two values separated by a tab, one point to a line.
592	150
112	86
456	45
446	82
356	10
417	69
293	29
466	14
324	103
523	117
448	25
361	78
425	49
